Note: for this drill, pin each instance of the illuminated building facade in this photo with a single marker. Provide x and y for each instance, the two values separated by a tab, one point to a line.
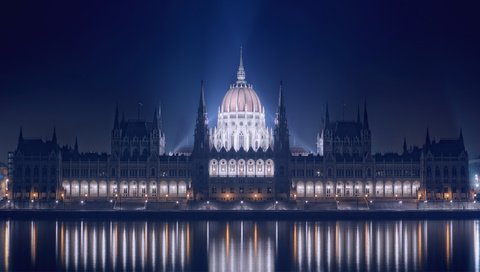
4	179
240	158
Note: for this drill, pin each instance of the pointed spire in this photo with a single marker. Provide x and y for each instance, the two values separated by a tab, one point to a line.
75	147
160	121
241	69
460	138
404	144
201	103
327	115
281	134
155	119
115	123
20	138
281	102
202	110
427	139
201	128
241	56
365	115
358	114
54	136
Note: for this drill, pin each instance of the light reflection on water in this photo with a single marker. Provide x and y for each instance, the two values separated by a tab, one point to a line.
240	245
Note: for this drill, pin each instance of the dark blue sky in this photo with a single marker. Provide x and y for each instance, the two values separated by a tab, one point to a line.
67	64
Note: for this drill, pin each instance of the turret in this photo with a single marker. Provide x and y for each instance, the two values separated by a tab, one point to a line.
405	145
115	123
241	70
54	136
365	116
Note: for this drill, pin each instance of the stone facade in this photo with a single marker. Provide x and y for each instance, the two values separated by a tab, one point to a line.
240	159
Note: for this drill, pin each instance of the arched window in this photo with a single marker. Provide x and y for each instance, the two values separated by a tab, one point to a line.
462	172
445	172
437	171
241	140
429	172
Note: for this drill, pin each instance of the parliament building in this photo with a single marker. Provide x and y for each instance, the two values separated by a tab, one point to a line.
240	158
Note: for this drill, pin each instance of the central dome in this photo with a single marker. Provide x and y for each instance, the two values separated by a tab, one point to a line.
241	98
241	119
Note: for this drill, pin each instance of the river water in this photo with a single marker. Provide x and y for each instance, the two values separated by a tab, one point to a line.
240	245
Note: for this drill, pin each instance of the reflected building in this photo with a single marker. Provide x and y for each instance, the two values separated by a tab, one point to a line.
241	158
241	245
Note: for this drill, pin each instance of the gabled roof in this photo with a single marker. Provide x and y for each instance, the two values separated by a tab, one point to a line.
36	147
138	128
447	147
344	129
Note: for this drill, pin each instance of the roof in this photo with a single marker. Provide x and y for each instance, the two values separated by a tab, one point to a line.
447	147
36	147
344	129
138	128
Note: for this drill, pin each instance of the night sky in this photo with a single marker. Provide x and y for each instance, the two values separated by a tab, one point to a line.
66	64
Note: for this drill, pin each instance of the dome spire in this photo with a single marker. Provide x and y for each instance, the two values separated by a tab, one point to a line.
241	70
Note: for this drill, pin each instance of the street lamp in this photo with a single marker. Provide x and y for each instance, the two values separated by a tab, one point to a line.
34	196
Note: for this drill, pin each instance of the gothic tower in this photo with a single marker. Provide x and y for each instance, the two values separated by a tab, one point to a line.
201	148
281	149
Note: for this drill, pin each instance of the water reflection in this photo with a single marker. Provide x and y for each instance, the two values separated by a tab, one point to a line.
240	245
